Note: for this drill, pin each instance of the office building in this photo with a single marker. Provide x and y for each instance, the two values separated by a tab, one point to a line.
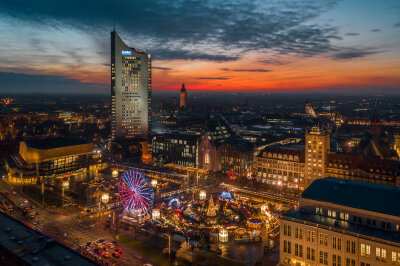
173	148
317	147
281	166
130	92
235	155
342	222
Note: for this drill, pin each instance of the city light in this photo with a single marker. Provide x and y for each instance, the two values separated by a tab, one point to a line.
202	194
155	214
105	198
252	133
223	235
115	173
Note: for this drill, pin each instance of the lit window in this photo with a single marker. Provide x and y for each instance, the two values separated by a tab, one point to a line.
365	250
381	254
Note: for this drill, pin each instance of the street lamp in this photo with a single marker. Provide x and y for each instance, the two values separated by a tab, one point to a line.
155	214
114	173
223	235
154	182
64	185
202	195
103	198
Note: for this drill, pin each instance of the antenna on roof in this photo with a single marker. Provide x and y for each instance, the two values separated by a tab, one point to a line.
114	23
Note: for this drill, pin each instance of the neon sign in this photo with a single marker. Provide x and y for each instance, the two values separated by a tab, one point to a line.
126	52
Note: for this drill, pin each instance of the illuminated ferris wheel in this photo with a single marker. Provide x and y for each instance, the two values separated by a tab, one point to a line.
135	192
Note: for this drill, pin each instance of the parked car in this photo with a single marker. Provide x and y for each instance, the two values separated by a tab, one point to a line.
119	250
116	254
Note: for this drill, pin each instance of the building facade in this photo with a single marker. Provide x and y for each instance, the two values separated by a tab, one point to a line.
47	159
130	91
297	166
281	166
342	222
235	155
207	153
356	167
179	149
317	147
397	143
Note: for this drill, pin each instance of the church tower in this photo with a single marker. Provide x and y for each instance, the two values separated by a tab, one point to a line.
182	97
375	123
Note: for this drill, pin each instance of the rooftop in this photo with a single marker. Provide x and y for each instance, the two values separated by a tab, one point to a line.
179	136
52	143
294	149
339	225
356	194
240	144
35	248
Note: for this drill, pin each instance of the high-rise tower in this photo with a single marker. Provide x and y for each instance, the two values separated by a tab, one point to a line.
130	91
316	150
182	97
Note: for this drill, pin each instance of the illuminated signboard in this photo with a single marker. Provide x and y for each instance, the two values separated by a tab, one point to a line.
126	52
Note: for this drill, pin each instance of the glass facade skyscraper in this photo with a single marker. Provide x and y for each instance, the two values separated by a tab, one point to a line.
130	91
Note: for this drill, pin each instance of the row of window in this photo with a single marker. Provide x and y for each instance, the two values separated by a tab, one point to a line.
356	219
365	251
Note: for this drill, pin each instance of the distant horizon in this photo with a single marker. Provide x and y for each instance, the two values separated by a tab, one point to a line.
175	92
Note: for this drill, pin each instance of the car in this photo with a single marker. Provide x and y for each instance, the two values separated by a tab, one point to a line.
37	213
106	255
110	245
11	188
32	216
14	193
116	254
7	192
36	222
119	250
25	201
89	244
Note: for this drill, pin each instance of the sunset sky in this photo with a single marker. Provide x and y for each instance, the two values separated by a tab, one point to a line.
270	45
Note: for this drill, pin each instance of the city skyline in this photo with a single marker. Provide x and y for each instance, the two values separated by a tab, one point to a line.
333	46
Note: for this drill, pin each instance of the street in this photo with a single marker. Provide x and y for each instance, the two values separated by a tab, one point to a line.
67	225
